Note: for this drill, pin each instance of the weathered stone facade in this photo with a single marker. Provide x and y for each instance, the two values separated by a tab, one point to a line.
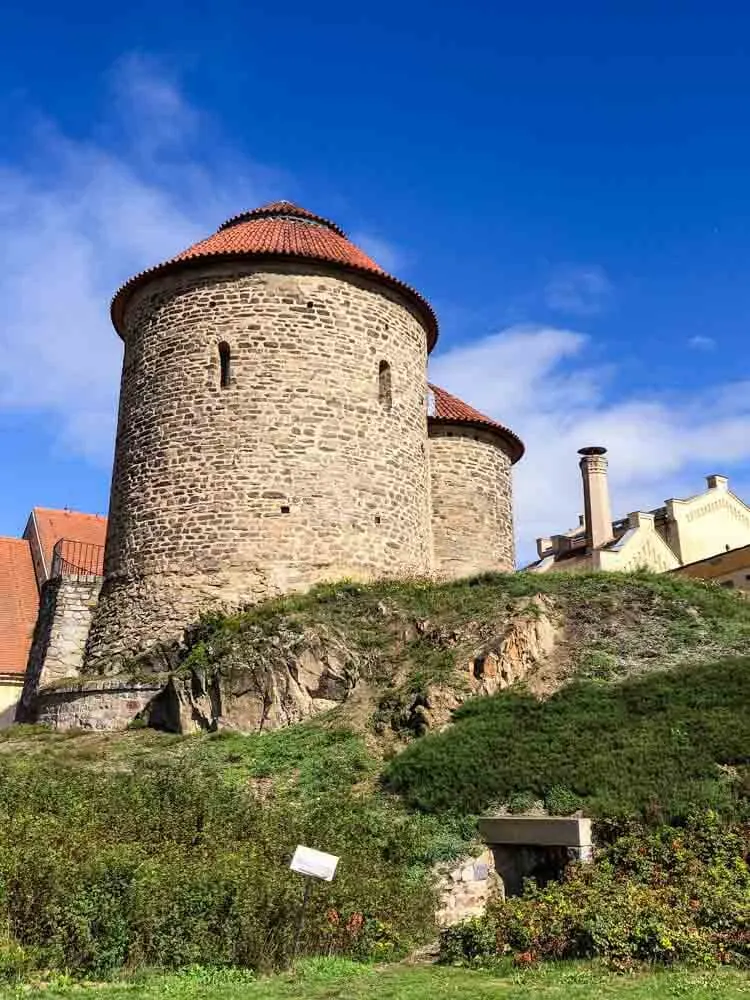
104	704
466	888
298	471
273	434
472	502
65	612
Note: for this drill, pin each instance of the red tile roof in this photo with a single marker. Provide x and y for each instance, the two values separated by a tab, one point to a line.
279	230
19	604
90	529
449	409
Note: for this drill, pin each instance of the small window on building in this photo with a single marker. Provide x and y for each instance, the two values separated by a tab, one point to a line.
384	385
225	363
285	508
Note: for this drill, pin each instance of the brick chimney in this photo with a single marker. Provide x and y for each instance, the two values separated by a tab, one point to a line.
598	515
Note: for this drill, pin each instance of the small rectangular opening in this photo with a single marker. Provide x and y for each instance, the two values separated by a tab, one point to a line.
285	509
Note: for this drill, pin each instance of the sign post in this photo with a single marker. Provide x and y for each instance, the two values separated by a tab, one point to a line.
313	864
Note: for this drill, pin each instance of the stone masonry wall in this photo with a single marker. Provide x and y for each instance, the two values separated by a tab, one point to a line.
102	704
466	888
297	472
65	612
472	502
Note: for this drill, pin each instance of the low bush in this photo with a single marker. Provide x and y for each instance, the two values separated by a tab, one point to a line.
667	896
173	866
658	746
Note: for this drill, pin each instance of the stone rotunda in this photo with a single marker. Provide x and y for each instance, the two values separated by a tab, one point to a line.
276	430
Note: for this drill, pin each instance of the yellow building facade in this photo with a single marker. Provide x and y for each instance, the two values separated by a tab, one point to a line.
706	526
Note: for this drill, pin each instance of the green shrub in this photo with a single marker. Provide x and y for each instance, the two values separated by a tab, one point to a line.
171	866
560	801
651	746
473	941
671	895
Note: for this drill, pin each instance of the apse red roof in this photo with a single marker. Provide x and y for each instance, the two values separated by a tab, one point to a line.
449	409
279	230
19	603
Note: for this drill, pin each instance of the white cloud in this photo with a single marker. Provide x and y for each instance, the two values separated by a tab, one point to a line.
77	220
537	380
578	289
701	343
382	251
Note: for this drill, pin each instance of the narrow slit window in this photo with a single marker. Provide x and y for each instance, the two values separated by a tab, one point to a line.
225	363
384	385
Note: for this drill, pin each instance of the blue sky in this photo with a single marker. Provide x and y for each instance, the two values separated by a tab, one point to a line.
568	185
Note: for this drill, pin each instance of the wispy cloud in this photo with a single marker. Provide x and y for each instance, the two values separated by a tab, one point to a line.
538	381
382	251
701	343
578	289
77	219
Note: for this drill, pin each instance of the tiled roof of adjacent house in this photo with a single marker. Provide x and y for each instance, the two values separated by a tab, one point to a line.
89	529
279	230
19	603
449	409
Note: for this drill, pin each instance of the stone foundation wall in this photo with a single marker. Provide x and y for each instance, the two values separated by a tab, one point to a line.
310	465
66	608
472	502
466	889
101	705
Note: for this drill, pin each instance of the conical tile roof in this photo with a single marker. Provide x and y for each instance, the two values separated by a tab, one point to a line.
284	230
448	409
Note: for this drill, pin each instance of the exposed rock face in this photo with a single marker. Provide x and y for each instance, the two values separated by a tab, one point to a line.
253	677
264	682
527	640
502	657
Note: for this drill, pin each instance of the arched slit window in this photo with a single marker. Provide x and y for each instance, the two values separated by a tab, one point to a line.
225	363
384	385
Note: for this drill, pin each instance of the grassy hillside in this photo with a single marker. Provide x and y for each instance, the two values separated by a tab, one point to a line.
403	639
145	848
659	746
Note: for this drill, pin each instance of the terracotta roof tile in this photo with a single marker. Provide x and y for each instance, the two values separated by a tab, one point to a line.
449	409
90	529
282	209
19	604
280	229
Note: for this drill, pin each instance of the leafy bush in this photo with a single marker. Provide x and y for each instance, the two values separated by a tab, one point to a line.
651	746
172	866
672	895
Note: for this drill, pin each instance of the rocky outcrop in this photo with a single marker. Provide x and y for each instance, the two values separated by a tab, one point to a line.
527	640
257	683
501	656
257	677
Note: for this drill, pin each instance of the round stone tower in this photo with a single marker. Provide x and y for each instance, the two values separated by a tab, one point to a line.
472	500
271	429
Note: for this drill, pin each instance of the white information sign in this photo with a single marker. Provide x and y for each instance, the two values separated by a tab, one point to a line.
308	861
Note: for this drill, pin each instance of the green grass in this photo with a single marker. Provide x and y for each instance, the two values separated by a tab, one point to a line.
313	757
331	979
658	746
